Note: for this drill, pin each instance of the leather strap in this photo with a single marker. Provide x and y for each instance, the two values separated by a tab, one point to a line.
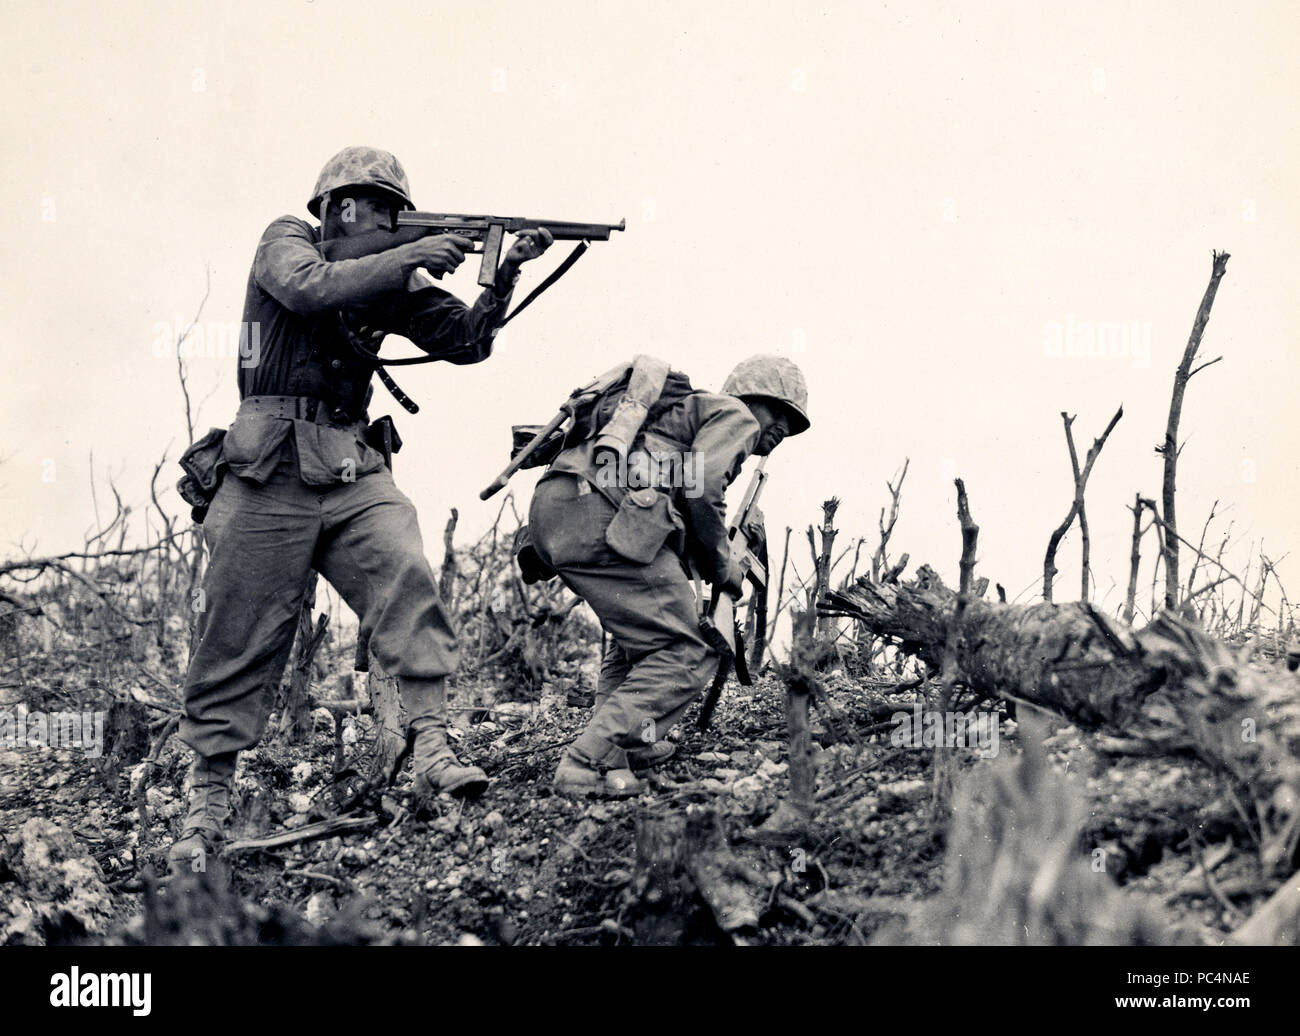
554	276
404	361
406	402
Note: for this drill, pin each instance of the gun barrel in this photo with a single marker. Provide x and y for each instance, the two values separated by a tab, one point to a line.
476	226
564	230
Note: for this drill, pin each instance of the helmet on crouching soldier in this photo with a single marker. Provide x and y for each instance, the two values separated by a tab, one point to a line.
773	379
362	167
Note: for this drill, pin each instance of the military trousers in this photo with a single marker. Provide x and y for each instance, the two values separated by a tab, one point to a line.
263	541
657	662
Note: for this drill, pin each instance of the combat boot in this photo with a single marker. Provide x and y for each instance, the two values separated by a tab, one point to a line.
651	755
203	832
436	769
575	777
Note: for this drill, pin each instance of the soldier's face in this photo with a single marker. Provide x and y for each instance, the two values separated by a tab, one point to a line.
361	214
774	423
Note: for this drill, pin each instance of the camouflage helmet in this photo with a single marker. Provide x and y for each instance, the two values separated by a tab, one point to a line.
772	378
362	167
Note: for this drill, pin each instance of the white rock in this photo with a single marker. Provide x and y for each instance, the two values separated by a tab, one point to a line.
516	709
747	786
320	908
905	791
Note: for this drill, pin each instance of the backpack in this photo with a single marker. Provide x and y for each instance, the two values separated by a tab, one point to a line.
590	416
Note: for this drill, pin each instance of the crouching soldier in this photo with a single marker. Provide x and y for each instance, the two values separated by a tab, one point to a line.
624	549
302	488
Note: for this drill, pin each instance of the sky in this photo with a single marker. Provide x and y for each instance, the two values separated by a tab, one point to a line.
931	207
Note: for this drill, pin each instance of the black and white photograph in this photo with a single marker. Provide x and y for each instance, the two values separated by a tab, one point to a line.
729	476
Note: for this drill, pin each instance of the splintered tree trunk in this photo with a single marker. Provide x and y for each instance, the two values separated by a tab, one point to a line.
1076	505
447	578
1169	684
1169	448
295	713
1058	656
1135	559
944	762
824	562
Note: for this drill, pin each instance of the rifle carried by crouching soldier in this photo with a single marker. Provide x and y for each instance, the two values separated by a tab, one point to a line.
622	516
718	620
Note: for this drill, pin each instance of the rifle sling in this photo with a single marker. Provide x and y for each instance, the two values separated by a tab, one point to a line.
554	276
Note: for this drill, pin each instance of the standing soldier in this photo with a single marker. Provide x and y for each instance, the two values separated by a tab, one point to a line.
303	490
657	661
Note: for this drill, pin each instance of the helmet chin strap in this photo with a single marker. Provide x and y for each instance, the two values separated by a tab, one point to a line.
324	214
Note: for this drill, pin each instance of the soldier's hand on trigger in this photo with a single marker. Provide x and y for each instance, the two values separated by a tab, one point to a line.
441	253
529	244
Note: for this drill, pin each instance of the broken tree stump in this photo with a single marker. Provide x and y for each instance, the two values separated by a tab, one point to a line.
295	714
823	561
390	717
683	864
792	819
390	720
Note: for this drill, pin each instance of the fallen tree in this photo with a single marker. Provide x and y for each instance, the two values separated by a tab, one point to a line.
1167	688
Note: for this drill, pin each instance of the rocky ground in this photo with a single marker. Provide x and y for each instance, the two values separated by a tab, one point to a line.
523	865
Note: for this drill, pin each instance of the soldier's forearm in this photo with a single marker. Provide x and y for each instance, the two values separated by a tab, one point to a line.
357	246
709	536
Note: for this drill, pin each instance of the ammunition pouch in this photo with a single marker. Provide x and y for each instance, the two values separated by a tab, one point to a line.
531	565
381	435
646	519
204	466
